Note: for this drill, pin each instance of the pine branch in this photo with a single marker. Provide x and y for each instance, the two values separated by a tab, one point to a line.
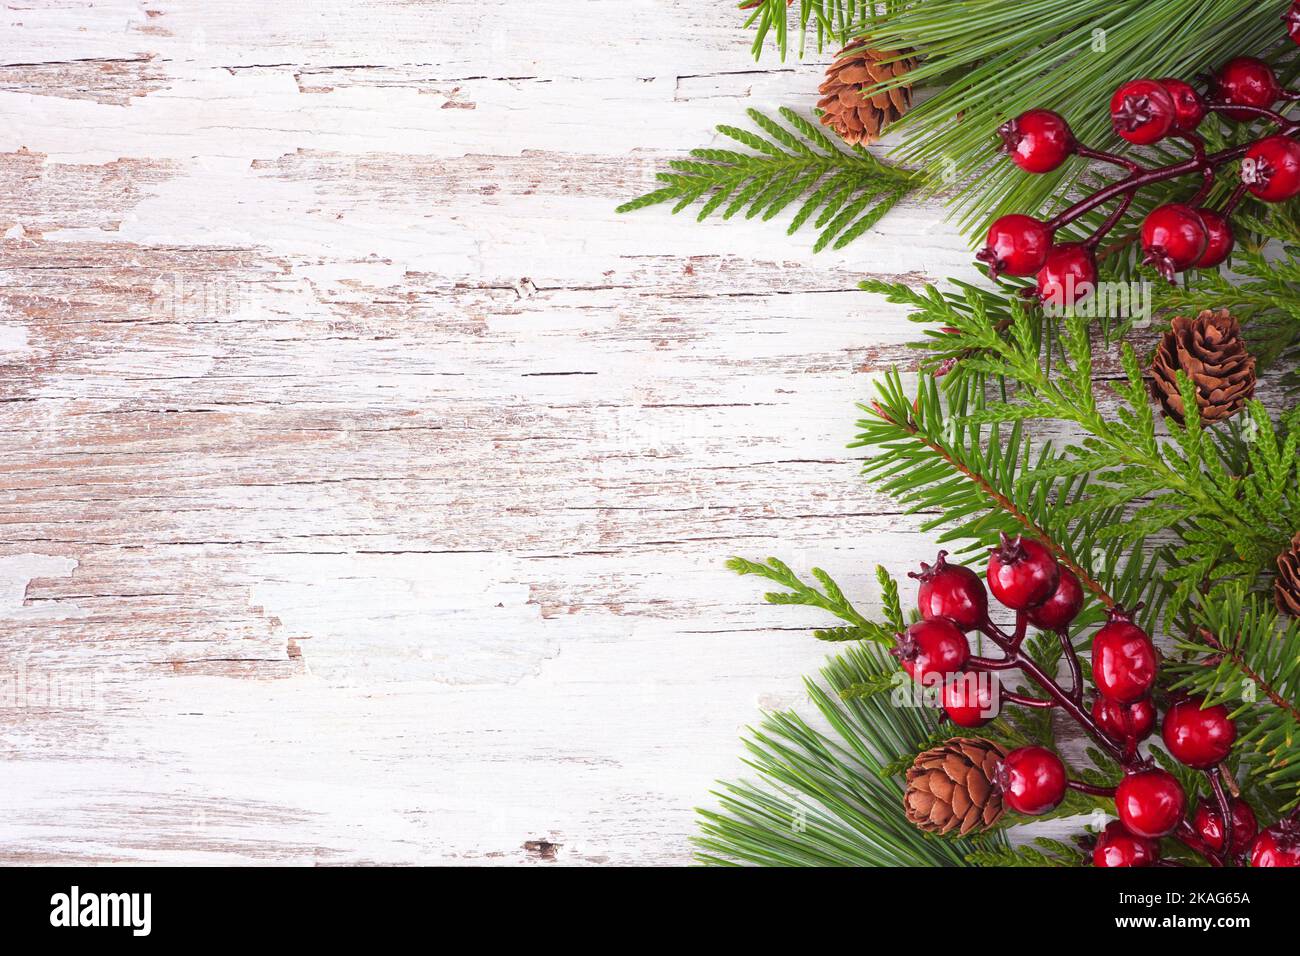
834	21
832	798
848	191
1020	56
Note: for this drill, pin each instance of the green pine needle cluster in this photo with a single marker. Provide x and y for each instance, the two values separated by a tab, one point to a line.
833	21
841	193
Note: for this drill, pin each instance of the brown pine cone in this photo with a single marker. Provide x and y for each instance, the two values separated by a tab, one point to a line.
856	118
1210	351
951	786
1286	589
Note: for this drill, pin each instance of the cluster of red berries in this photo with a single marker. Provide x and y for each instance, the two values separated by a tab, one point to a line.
1175	236
1025	577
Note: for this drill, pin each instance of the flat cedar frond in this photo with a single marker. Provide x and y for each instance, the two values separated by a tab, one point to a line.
1244	654
1230	497
842	192
830	798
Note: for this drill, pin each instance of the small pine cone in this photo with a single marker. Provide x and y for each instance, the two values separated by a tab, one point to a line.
951	786
1210	351
856	118
1286	589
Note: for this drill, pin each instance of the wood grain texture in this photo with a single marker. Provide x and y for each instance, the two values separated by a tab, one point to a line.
367	480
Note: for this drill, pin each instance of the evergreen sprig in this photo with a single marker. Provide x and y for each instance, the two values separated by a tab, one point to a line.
1244	654
1231	497
833	799
992	62
842	193
833	20
1041	852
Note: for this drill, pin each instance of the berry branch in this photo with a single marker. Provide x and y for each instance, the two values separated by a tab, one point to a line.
1176	236
1025	577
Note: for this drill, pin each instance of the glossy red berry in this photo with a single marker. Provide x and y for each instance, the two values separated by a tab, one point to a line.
1117	847
951	591
1056	613
1207	825
931	649
1068	276
1142	112
1271	169
1189	108
1198	738
1022	573
1037	141
1032	780
1218	232
1174	238
1016	246
1292	18
1123	659
1279	845
1245	81
1150	803
1125	722
971	698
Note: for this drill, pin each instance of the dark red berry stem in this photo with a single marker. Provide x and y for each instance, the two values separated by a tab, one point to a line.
1093	789
1225	812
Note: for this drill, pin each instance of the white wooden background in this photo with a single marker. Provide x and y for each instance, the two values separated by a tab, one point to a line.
366	481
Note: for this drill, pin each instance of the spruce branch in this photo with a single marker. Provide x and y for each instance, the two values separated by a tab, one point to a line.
847	191
833	20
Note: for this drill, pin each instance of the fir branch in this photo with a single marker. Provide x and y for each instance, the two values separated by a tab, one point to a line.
1042	852
1231	496
847	191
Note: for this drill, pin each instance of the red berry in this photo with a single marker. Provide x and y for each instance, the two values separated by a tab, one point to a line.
1207	824
1037	141
1032	780
1279	845
1125	722
1196	737
1189	108
931	648
1271	169
1219	233
1246	81
1150	803
1123	659
1174	238
1016	246
1056	613
1292	18
971	698
1117	847
1142	112
1068	276
951	591
1022	573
